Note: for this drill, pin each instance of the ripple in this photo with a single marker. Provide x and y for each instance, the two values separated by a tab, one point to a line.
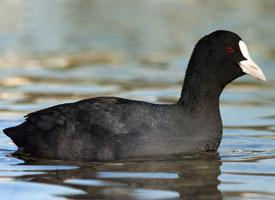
18	173
138	175
155	194
36	167
90	182
146	194
242	182
27	190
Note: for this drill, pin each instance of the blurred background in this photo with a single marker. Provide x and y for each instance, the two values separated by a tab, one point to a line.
60	51
56	51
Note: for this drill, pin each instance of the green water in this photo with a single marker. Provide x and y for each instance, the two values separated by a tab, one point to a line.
62	51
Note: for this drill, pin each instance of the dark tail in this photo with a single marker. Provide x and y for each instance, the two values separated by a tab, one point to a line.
17	134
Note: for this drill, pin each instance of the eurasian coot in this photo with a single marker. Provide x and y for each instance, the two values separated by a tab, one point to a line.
108	128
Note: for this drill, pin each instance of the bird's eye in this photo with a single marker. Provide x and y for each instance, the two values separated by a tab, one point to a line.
229	50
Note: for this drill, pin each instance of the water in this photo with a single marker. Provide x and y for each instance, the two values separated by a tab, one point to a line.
62	51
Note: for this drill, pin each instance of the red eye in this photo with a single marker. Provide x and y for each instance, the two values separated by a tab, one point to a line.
229	50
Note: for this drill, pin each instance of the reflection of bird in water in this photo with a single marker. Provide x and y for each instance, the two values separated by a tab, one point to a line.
193	176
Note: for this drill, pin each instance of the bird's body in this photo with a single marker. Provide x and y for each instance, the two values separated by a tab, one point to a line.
108	128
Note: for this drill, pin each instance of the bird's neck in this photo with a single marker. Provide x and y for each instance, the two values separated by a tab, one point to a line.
200	93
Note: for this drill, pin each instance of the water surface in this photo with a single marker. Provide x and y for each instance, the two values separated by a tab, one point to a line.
62	51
